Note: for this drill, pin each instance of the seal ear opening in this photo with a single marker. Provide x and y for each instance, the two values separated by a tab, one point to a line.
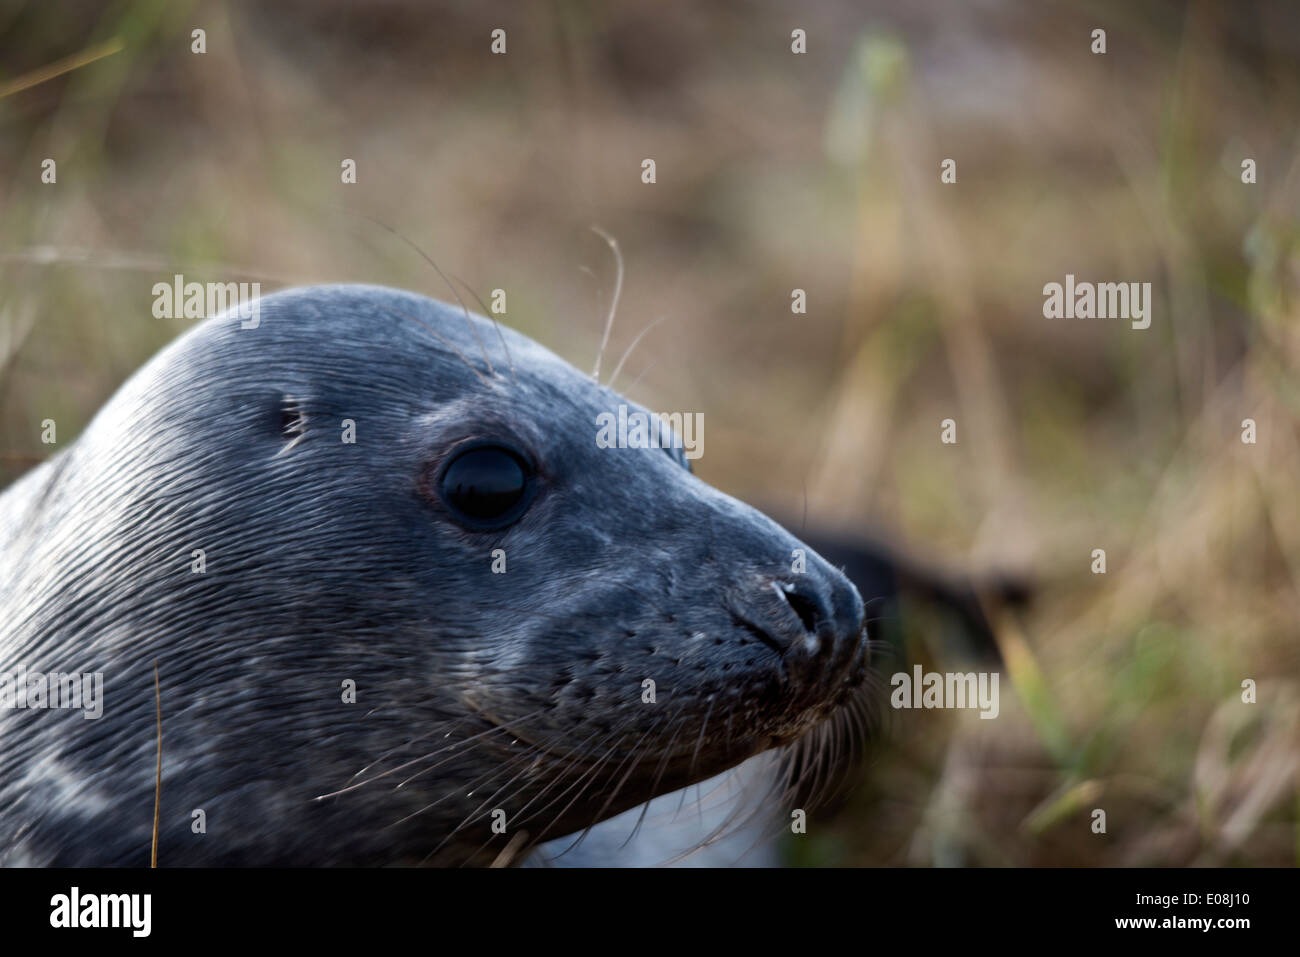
292	421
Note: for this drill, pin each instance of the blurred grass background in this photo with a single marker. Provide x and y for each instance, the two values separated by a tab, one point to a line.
775	171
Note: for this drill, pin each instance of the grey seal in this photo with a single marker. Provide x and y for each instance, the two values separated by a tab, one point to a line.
349	674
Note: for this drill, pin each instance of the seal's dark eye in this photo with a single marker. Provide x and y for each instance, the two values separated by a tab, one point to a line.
485	486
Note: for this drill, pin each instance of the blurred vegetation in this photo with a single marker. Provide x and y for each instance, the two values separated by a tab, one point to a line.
775	171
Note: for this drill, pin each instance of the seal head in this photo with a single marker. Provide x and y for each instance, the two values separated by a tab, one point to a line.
371	490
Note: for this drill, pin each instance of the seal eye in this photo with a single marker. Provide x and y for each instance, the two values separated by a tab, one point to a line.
485	486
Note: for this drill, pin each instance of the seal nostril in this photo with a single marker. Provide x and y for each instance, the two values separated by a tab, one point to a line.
805	608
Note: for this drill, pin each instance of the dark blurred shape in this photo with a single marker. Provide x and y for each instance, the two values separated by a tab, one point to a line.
892	584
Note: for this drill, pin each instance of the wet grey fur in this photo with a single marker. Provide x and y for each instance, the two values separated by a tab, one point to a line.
328	562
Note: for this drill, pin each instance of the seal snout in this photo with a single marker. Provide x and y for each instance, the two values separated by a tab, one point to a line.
815	623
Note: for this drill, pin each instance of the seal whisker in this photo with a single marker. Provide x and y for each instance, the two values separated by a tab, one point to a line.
632	753
699	742
424	757
659	773
591	774
441	338
489	314
576	762
628	351
474	785
520	818
746	807
768	833
477	810
599	816
825	766
613	304
821	763
569	763
410	741
641	375
631	756
429	259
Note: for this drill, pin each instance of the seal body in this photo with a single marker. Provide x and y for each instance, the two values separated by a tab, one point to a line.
350	673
